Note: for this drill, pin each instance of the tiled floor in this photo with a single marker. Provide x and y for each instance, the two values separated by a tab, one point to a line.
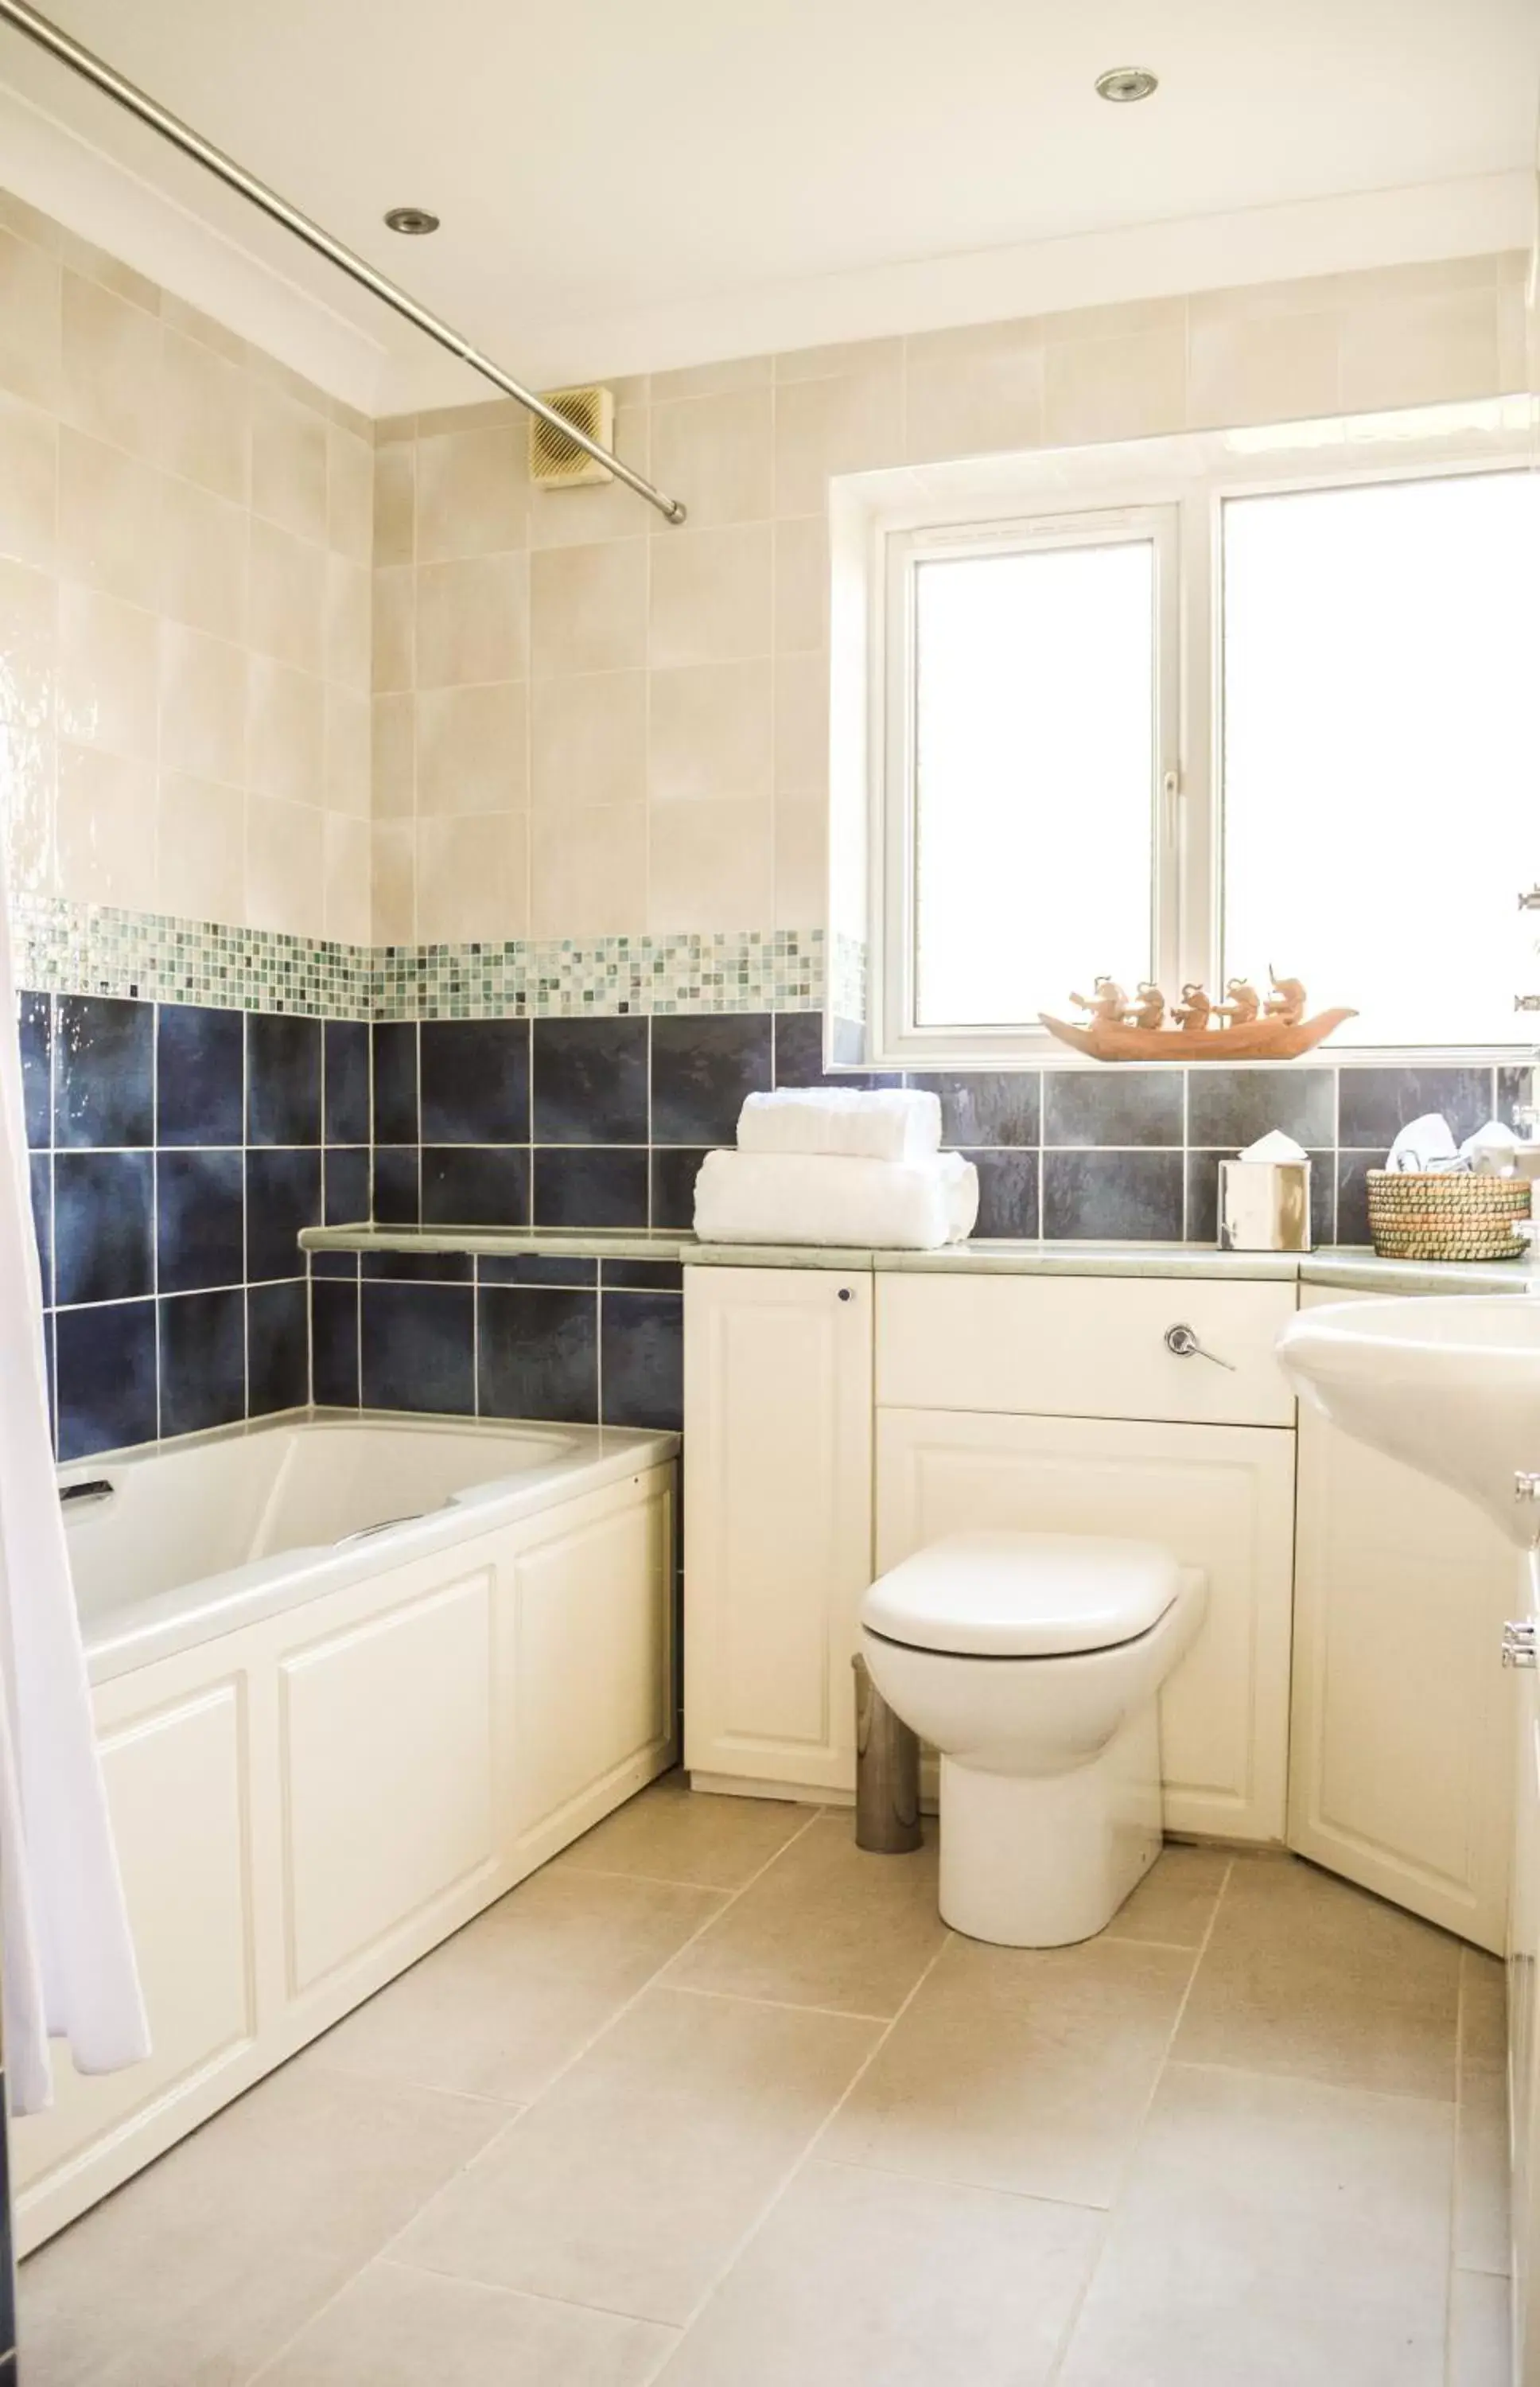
715	2102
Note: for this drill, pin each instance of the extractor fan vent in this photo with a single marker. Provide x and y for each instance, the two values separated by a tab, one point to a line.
557	463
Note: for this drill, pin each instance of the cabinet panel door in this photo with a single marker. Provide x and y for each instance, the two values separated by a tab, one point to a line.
1218	1496
1401	1746
778	1520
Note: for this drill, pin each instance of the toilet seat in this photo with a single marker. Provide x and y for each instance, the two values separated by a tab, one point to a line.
1001	1595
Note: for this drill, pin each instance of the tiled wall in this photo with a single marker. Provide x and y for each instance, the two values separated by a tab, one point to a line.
185	605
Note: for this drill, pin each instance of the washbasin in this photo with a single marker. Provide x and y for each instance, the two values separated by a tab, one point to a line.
1448	1382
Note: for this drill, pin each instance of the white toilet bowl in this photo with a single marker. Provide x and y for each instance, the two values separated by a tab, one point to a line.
1032	1663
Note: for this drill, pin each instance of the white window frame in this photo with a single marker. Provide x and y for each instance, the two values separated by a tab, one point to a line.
884	524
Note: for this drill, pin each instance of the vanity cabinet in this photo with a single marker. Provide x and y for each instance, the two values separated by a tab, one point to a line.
1402	1758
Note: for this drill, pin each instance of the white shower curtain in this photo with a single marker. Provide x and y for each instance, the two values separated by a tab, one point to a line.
66	1963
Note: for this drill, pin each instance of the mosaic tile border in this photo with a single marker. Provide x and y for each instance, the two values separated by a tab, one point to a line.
65	948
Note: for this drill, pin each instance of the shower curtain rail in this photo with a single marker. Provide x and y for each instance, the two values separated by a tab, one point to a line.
93	69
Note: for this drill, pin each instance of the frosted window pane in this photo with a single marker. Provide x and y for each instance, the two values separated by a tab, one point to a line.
1381	750
1035	772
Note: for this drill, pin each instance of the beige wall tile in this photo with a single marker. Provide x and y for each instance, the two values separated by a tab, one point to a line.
28	643
284	867
203	705
286	595
110	366
802	585
588	739
473	748
202	544
109	518
473	878
347	781
194	324
1119	387
394	603
470	493
802	865
393	882
598	511
974	392
285	733
838	358
710	730
31	321
83	256
849	424
588	871
28	767
28	483
707	381
395	498
202	872
1420	350
393	762
712	595
473	620
1262	368
709	863
204	417
106	828
347	648
349	495
108	672
347	854
801	726
288	464
588	607
719	455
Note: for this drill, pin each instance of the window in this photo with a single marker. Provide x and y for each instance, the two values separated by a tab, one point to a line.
1242	727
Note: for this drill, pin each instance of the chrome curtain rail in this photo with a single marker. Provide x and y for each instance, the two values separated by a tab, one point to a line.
93	69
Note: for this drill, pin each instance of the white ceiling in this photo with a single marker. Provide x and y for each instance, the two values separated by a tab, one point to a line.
677	176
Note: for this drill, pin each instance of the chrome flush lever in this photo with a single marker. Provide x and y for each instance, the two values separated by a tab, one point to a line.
1518	1643
1183	1344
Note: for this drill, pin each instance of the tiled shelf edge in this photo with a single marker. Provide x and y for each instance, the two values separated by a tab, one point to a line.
67	948
555	1242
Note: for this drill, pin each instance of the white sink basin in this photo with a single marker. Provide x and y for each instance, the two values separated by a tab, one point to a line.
1450	1384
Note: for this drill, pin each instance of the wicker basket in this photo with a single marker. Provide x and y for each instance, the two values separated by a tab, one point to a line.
1427	1215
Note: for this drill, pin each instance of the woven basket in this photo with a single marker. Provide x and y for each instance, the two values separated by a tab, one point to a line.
1426	1216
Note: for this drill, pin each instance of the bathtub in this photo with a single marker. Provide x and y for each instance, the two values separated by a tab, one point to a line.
353	1678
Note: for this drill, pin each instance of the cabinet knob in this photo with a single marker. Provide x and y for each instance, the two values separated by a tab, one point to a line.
845	1293
1182	1343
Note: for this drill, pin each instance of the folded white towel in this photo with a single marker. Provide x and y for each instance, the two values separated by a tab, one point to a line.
790	1197
892	1124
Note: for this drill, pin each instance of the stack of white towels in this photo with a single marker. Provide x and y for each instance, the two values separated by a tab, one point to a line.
826	1164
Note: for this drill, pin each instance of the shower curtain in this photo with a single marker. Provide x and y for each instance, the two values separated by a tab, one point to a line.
66	1966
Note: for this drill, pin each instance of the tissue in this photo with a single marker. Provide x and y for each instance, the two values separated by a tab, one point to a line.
1274	1146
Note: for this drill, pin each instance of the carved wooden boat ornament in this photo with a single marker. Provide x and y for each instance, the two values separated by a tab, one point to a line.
1277	1039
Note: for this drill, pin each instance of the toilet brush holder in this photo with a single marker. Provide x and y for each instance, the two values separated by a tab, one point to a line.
887	1772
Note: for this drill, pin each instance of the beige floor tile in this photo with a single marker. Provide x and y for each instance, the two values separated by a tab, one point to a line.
1482	2170
1480	2351
826	1925
1275	2233
861	2279
671	1833
630	2184
1306	1975
500	2007
195	2272
1483	2008
1020	2070
400	2327
1175	1902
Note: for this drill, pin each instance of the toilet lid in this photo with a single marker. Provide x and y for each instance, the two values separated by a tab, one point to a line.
1023	1595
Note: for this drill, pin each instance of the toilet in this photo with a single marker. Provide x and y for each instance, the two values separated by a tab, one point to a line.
1032	1663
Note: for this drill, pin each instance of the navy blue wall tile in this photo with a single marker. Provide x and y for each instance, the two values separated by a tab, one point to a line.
419	1346
1007	1193
345	1172
702	1069
1112	1107
476	1081
42	1172
103	1239
642	1345
1122	1196
1353	1170
799	1055
341	1265
334	1348
282	1083
538	1351
106	1377
985	1107
417	1267
103	1071
202	1360
1373	1103
283	1194
1227	1108
395	1064
534	1268
475	1185
200	1064
675	1170
589	1080
574	1187
200	1219
396	1199
642	1276
277	1348
36	1022
344	1060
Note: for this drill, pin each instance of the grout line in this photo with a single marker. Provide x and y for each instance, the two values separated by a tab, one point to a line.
778	2006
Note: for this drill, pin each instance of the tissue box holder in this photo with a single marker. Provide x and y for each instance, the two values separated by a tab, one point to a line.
1426	1215
1263	1205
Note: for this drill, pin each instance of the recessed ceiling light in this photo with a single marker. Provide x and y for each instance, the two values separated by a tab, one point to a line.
1122	85
410	220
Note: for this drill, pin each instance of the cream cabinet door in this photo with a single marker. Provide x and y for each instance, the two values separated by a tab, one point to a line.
1402	1743
1220	1497
778	1520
